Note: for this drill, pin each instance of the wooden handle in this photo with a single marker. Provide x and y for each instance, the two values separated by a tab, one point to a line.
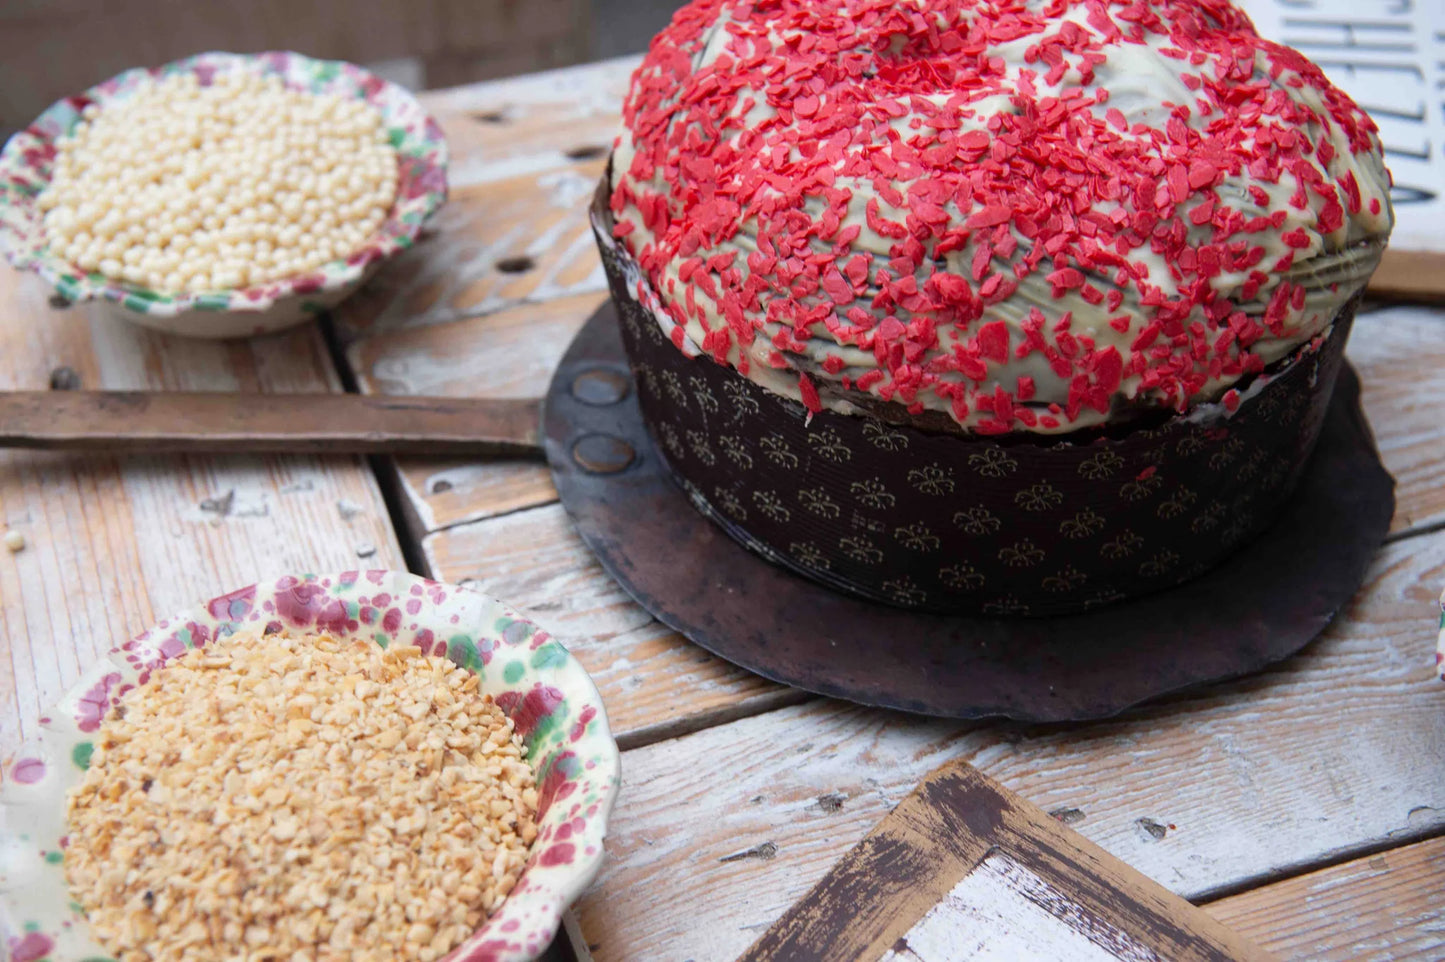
145	422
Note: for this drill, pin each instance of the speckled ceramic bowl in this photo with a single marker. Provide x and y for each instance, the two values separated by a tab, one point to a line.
25	165
554	704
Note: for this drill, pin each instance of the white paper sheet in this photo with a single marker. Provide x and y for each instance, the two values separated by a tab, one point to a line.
1389	55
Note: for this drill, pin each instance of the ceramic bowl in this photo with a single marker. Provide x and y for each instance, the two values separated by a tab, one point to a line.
551	700
26	161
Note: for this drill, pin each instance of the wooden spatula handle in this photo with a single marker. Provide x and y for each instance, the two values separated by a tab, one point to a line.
152	422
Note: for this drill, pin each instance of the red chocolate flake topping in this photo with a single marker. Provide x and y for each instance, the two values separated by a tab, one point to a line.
894	175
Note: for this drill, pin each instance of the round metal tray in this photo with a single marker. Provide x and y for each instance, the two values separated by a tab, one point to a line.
1263	604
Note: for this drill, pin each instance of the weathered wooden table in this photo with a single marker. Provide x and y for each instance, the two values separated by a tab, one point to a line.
1305	806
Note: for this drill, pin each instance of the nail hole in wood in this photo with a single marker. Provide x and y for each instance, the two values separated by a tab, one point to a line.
64	379
490	116
586	152
440	487
516	265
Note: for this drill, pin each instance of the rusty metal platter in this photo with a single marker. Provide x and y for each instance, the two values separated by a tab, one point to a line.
1263	604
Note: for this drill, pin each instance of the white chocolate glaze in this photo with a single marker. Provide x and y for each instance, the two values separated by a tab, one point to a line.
1173	112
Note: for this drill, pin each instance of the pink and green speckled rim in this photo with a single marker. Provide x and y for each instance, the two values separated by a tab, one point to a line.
1440	641
551	699
26	160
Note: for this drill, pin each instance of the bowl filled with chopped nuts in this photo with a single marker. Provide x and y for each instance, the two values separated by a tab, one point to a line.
223	195
362	766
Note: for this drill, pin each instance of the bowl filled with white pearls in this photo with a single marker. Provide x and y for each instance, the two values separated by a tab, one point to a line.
223	195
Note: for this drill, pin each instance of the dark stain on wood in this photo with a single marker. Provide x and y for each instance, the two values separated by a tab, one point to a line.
586	152
516	265
220	506
1153	829
767	851
64	379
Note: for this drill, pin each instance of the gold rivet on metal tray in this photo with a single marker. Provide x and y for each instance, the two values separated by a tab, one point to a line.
599	387
602	454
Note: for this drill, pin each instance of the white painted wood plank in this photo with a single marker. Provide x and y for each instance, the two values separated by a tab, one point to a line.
115	544
1002	912
521	125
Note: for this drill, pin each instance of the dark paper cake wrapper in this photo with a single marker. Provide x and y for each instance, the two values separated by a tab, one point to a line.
1026	526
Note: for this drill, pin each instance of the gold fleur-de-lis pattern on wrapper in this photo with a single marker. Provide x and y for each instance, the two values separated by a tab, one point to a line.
872	493
807	553
736	451
1140	488
1039	496
917	537
703	395
904	591
1104	464
1225	456
740	401
861	549
884	438
933	479
1121	545
817	501
962	575
977	521
771	505
672	385
671	441
993	463
697	440
775	446
730	504
829	446
1021	554
1082	525
1177	505
1068	579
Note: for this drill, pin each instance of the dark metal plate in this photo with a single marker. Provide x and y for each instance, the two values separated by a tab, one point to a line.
1263	604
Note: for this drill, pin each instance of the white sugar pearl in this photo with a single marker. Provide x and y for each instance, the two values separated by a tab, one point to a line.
188	187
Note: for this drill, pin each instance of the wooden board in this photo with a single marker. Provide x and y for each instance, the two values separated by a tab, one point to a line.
460	358
1379	908
1334	751
113	545
717	832
494	245
229	422
1410	276
531	123
964	869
